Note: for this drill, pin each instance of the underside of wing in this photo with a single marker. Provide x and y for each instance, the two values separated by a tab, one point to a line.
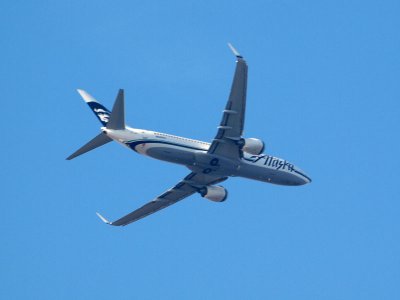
230	130
188	186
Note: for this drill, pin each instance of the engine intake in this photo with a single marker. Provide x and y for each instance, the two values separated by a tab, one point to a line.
214	193
253	146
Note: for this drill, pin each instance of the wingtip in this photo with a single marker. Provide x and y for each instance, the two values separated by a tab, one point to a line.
72	156
103	219
234	51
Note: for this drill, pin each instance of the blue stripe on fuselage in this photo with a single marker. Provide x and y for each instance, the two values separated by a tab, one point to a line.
132	144
302	174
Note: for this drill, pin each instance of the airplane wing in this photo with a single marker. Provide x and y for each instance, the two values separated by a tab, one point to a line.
230	130
188	186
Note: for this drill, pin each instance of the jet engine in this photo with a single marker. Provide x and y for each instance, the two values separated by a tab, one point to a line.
253	146
214	193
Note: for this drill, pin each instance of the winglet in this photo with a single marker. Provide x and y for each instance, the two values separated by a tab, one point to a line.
235	52
103	219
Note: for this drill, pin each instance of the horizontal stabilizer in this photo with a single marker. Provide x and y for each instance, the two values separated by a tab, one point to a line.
117	117
98	141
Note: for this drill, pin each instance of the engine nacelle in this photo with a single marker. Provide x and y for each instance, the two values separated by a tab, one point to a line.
214	193
253	146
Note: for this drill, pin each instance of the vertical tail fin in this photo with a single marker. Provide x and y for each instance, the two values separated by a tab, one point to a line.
102	113
112	120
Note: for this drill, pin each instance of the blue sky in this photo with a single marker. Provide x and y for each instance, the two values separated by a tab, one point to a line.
323	93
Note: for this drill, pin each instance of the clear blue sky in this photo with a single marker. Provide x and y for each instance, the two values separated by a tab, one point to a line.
323	93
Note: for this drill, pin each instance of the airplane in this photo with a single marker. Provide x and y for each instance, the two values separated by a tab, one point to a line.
228	155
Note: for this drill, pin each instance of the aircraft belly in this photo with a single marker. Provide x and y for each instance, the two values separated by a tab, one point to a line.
172	154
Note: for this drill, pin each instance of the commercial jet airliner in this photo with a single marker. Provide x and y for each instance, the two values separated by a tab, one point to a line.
229	153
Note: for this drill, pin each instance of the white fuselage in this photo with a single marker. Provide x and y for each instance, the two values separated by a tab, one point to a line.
193	154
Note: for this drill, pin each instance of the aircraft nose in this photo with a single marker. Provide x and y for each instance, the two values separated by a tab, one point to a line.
304	178
307	180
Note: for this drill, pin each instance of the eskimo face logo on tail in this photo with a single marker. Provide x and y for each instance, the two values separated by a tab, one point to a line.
102	114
